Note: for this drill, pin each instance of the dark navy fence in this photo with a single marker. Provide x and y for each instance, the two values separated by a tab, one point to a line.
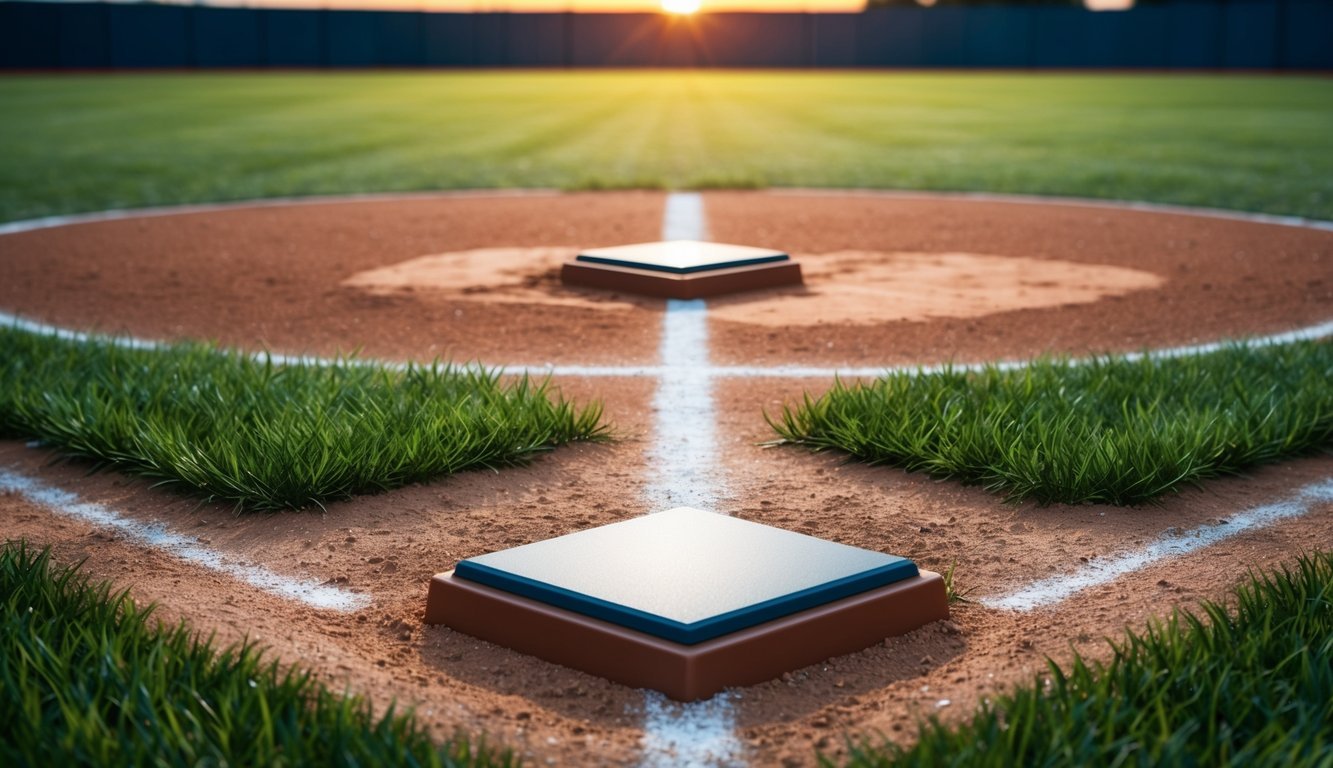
1239	34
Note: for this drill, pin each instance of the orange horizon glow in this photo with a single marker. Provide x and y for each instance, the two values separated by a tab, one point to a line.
594	6
680	7
557	6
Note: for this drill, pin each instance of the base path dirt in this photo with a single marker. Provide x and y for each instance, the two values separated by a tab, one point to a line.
890	280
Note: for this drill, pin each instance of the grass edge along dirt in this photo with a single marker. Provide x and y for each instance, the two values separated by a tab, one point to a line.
246	430
88	677
1105	430
1245	685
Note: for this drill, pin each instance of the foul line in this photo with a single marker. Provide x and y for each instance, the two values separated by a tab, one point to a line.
1308	333
684	461
699	364
115	214
120	214
1100	571
187	548
1276	219
694	735
683	454
683	217
684	471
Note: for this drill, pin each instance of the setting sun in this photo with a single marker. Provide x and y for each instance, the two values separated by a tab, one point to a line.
680	6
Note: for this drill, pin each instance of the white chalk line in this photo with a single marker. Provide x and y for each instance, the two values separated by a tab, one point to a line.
1077	202
683	455
684	471
1098	571
17	322
1308	333
46	222
120	214
187	548
683	217
694	735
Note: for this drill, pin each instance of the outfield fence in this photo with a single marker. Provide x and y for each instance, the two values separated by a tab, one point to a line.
1238	34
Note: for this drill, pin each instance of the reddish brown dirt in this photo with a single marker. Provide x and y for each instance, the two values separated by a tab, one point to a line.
274	277
1222	278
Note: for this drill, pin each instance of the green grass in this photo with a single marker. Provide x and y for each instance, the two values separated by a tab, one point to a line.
952	592
79	143
267	436
1112	431
1245	686
89	678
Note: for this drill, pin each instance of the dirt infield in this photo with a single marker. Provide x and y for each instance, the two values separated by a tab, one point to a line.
890	280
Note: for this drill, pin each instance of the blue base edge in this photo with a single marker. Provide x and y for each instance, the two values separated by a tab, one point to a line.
675	631
683	270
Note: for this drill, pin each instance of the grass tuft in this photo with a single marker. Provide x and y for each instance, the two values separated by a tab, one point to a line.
87	677
951	590
266	436
1249	686
1111	431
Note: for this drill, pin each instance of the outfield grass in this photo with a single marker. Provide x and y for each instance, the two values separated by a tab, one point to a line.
87	677
266	436
1245	686
79	143
1110	431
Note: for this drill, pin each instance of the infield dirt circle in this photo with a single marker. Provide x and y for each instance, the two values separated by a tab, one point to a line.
890	280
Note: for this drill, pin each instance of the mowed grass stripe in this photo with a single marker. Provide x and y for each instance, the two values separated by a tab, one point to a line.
1108	430
1244	684
263	436
88	677
82	143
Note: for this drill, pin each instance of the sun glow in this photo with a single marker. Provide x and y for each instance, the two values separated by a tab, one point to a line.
680	6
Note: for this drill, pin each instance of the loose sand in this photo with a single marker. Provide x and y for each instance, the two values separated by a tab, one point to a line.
846	287
279	278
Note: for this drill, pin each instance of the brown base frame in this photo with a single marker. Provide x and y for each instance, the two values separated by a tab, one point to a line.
695	285
686	672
